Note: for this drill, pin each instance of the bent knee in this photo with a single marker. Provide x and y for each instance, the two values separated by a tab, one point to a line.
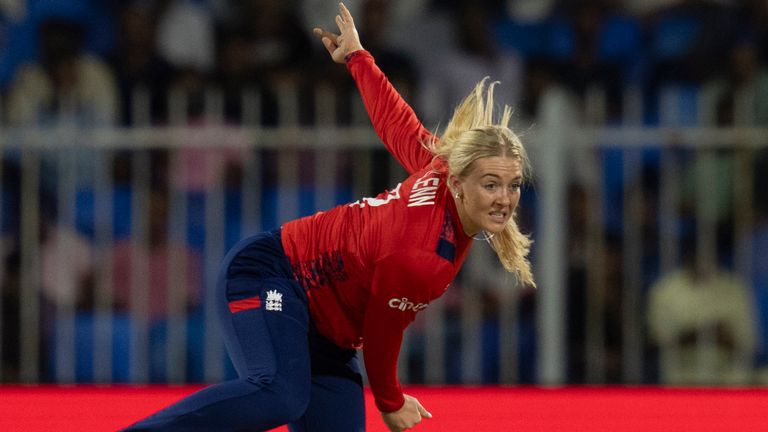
290	401
296	405
295	400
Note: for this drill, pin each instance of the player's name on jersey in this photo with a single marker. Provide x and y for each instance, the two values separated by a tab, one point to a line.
424	190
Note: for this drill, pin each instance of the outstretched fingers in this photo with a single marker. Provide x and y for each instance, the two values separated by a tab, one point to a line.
340	24
343	43
345	14
344	19
330	40
322	34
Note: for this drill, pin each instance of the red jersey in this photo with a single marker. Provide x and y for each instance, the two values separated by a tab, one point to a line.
370	266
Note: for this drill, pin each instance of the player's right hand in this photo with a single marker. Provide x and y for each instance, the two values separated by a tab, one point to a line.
408	416
347	41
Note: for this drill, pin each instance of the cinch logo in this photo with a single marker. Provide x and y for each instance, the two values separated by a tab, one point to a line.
403	304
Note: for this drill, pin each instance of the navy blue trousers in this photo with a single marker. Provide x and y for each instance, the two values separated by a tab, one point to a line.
287	372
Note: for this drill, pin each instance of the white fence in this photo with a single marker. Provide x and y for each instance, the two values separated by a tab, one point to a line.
108	233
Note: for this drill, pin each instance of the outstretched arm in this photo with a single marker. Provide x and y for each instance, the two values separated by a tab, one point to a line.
394	121
397	294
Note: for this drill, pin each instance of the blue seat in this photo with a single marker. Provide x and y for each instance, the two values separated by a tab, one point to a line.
673	36
620	39
524	38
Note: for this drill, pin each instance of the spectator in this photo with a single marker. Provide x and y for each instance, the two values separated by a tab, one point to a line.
236	75
197	104
281	46
472	55
67	267
13	50
67	87
396	64
585	303
138	66
595	45
741	95
524	27
688	42
185	35
701	320
20	19
156	255
753	20
187	40
67	288
65	80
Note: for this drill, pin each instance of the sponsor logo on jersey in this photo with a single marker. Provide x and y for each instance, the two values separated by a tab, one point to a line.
404	304
274	301
424	190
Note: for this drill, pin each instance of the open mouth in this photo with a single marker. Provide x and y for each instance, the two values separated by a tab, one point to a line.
498	216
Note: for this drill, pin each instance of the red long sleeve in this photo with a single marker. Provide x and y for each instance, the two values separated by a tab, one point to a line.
398	293
393	119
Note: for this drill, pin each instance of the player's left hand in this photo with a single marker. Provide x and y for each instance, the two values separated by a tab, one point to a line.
408	416
347	41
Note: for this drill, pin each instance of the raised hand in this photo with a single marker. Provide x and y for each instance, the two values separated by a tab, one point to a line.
347	41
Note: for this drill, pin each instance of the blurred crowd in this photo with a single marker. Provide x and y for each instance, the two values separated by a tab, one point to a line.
132	63
108	53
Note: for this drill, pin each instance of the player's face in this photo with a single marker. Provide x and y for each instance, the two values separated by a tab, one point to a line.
489	194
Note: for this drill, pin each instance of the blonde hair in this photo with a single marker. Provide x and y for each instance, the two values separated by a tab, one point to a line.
474	133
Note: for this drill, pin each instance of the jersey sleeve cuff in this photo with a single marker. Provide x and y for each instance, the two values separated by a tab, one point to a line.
390	405
356	56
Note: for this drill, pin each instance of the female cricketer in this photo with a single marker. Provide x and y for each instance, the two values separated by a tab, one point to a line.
296	303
